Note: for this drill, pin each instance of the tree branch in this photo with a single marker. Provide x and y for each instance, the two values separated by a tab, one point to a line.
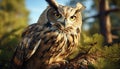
105	13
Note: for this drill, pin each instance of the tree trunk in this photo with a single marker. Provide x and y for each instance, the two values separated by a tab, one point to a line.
105	24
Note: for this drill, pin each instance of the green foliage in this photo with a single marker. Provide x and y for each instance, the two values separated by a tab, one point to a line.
90	44
13	19
105	57
99	55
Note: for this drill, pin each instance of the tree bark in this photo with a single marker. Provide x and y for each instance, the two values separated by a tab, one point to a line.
105	24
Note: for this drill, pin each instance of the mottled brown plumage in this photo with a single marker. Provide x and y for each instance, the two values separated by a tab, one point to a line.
51	40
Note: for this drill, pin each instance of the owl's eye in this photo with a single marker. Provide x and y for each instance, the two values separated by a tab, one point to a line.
57	15
72	18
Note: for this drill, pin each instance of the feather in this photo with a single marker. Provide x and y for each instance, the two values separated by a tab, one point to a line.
53	4
34	50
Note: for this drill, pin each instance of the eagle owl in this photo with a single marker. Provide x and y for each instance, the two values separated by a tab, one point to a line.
51	40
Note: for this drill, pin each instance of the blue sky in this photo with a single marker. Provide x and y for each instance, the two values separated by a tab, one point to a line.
36	7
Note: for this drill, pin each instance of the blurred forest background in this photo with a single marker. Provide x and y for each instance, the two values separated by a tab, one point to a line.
100	41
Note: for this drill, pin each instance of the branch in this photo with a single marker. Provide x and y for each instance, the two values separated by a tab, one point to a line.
105	13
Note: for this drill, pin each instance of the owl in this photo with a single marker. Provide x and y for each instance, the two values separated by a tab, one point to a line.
50	41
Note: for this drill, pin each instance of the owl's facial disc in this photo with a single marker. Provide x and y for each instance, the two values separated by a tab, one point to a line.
65	16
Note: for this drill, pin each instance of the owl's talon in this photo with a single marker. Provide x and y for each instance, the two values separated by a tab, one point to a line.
66	62
54	66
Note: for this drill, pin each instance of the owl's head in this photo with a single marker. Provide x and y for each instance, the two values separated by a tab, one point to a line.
65	16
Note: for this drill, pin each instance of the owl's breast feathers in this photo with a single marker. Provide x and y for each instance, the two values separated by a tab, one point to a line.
47	43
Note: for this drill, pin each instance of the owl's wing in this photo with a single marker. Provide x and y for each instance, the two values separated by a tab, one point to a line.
30	42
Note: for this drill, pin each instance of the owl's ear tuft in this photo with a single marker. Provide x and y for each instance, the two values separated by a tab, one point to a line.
80	7
53	4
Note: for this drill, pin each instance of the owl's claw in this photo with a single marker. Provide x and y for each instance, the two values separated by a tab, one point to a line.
58	64
65	61
54	66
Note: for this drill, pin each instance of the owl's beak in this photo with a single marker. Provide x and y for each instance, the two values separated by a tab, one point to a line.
64	23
